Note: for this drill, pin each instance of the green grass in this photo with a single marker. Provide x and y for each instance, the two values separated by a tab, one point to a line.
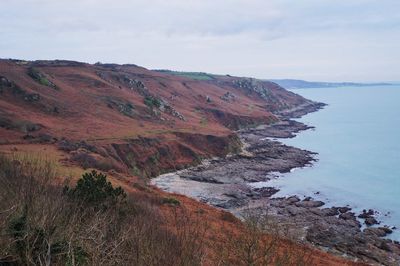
191	75
40	78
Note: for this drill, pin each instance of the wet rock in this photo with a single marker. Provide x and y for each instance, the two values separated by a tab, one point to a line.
344	209
375	231
386	229
293	199
266	191
309	203
371	221
347	216
366	214
333	211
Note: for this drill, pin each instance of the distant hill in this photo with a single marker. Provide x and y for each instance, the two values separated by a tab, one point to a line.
302	84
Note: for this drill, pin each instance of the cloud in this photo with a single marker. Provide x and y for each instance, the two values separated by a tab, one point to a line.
274	38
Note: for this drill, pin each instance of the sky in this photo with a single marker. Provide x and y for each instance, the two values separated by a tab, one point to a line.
321	40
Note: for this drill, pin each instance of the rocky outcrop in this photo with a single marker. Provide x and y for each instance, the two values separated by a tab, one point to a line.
147	157
253	86
11	123
41	78
228	97
227	183
237	122
122	106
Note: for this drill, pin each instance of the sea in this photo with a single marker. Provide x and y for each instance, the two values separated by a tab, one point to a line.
357	138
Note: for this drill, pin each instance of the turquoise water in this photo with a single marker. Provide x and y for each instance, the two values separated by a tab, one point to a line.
357	137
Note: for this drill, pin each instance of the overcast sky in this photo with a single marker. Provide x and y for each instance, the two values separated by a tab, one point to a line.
330	40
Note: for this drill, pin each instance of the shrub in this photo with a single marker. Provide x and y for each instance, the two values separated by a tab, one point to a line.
152	102
93	188
43	224
40	78
262	243
171	201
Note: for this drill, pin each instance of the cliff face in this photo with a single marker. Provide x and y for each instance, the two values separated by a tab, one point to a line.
129	118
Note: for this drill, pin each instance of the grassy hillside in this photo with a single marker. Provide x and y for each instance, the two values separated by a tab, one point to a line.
130	124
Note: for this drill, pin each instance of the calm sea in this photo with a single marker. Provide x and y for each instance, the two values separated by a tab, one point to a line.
357	137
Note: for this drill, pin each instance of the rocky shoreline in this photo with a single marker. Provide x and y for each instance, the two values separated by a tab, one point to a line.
227	183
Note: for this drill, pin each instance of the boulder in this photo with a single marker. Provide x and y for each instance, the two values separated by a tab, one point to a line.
293	199
309	204
347	216
371	221
344	209
375	231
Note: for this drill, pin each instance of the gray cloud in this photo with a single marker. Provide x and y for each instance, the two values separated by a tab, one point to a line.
314	39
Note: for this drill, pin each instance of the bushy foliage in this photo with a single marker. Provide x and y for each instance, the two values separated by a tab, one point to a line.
40	78
93	188
152	102
92	223
171	201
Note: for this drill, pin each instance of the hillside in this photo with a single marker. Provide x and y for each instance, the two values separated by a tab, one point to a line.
133	123
131	119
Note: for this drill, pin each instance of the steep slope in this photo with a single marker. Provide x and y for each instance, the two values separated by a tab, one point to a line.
134	122
129	118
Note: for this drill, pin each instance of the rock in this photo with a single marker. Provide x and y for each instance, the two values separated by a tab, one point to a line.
330	211
384	245
292	199
228	204
310	204
366	214
266	191
46	138
363	216
33	97
375	231
347	216
28	137
371	221
235	195
386	229
228	97
293	211
344	209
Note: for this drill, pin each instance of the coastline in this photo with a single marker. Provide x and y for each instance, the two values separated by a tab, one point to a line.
227	183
